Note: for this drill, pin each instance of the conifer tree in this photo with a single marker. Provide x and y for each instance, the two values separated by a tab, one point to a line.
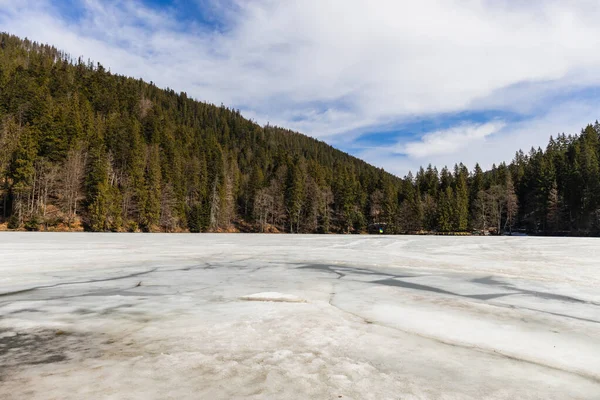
446	210
117	153
294	196
461	198
511	204
151	209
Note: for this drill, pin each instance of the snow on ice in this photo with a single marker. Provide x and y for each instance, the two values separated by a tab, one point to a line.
182	316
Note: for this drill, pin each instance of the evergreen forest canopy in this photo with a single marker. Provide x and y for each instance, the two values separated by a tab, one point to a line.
83	148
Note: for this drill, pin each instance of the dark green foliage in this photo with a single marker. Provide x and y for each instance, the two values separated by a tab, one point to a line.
78	143
154	159
294	195
33	224
13	222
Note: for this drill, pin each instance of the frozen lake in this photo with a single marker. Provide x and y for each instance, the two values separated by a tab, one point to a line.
128	316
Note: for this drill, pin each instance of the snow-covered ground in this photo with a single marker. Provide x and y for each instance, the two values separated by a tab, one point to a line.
127	316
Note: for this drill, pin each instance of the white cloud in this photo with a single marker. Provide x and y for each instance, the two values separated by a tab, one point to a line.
484	147
335	68
450	140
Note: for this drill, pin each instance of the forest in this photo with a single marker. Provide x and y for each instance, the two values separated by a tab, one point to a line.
82	148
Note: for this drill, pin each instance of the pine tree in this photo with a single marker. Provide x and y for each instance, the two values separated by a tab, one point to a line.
461	199
430	211
22	173
511	204
73	173
475	188
480	211
151	209
446	210
96	184
118	153
136	190
294	196
553	208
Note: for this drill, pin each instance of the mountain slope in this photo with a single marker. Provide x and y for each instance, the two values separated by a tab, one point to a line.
83	148
81	143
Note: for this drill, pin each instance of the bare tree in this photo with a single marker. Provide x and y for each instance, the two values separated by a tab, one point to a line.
480	211
496	201
376	208
71	182
263	207
278	213
269	206
168	217
310	222
144	105
554	208
326	209
228	204
47	174
214	205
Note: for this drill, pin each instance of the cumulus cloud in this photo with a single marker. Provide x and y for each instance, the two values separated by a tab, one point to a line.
489	144
450	140
337	68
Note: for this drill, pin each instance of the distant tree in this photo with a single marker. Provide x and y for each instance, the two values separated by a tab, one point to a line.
294	197
475	187
168	217
461	198
446	210
376	205
151	209
264	206
481	211
429	207
511	204
495	204
410	213
80	143
71	182
22	174
553	208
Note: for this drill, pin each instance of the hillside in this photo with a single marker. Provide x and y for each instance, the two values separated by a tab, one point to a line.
82	148
79	144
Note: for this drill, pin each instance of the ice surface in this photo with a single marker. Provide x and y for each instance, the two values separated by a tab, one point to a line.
127	316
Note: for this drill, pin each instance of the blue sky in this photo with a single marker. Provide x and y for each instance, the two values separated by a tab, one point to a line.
398	83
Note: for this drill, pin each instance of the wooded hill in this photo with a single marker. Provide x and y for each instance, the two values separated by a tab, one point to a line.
82	147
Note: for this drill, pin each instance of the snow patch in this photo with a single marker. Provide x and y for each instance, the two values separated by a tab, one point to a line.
274	297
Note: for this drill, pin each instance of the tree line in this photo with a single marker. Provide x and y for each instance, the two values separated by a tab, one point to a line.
82	148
